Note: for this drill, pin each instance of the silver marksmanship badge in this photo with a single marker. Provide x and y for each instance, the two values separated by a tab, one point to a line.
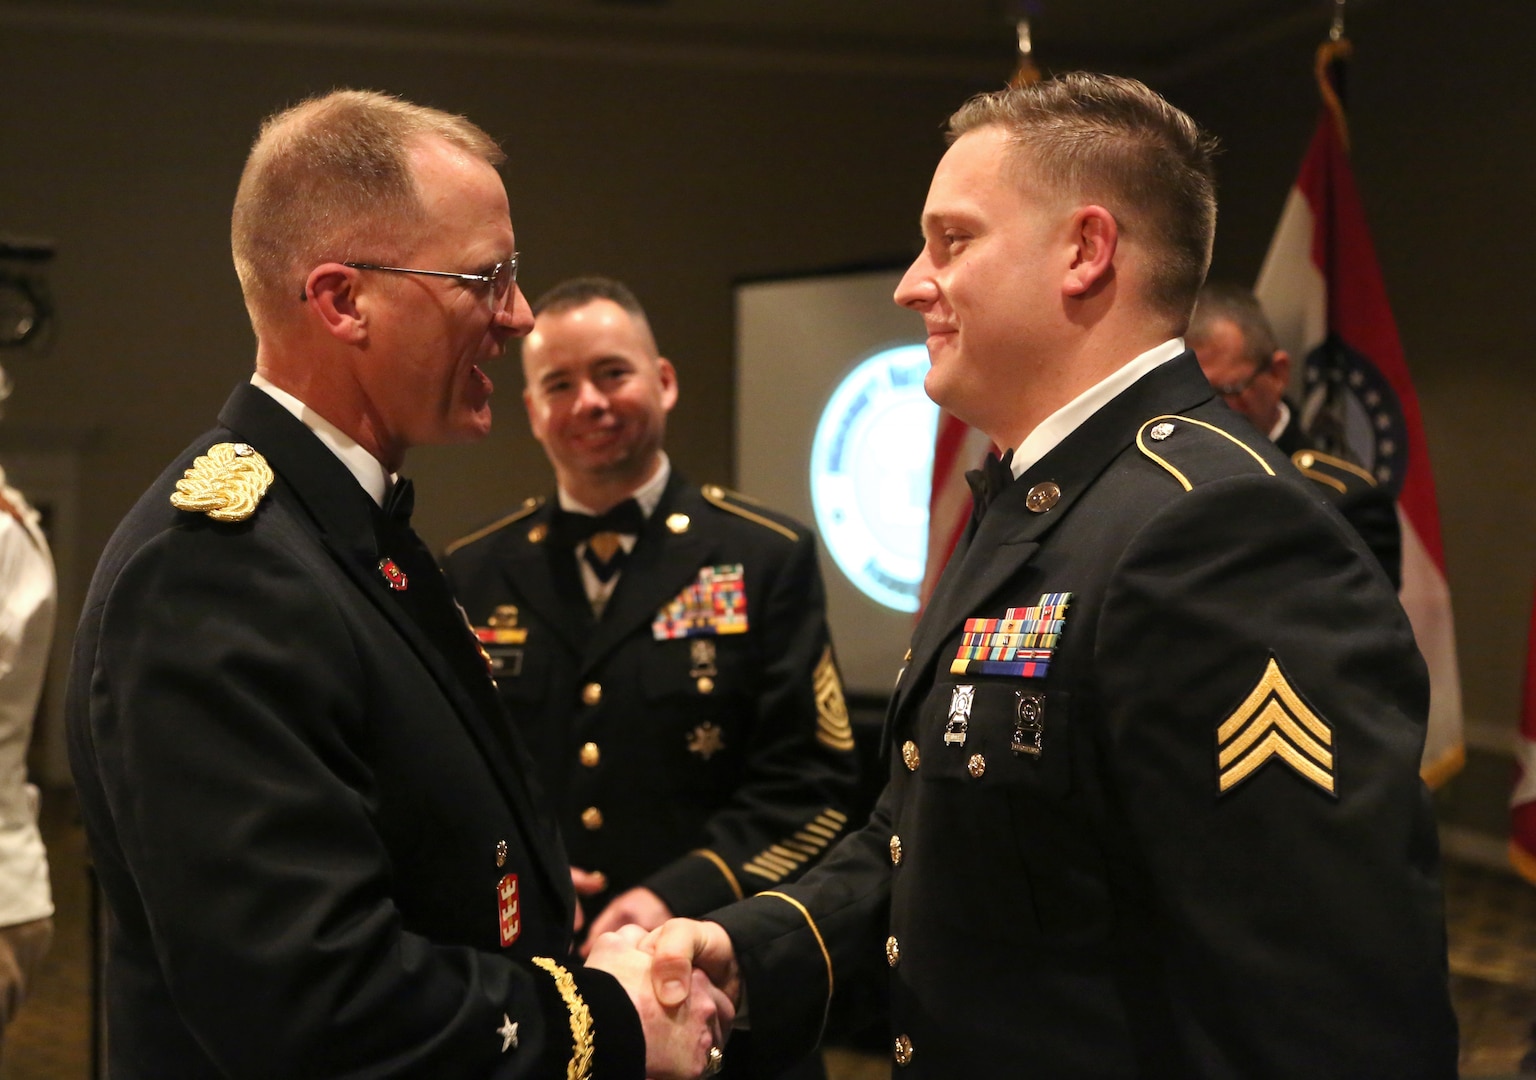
701	657
1028	722
959	715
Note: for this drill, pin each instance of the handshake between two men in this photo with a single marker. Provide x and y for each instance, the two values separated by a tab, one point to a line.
684	982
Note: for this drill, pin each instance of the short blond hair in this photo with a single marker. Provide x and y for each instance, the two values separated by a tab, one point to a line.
331	179
1114	141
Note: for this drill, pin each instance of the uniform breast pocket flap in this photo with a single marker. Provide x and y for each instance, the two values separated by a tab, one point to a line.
998	731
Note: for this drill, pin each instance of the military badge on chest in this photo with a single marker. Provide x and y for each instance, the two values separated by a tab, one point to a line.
502	639
714	603
1018	645
507	909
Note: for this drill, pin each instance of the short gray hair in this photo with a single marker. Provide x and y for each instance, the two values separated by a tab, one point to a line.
331	178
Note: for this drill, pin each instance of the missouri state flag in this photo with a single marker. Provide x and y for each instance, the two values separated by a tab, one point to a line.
1522	805
1323	291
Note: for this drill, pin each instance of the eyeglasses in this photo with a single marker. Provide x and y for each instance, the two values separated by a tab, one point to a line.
500	279
1232	389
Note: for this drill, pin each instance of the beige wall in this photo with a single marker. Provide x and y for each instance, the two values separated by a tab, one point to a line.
683	176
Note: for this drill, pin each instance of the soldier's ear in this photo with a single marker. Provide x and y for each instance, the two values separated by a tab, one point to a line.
1281	365
1094	237
331	294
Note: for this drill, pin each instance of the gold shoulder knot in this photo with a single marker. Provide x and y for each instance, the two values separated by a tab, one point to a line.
716	495
227	483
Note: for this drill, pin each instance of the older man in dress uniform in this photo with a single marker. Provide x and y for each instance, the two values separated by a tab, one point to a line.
320	840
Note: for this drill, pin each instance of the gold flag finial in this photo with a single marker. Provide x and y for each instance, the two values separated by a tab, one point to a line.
1335	50
1026	74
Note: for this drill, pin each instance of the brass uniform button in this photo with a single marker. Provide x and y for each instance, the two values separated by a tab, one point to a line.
892	950
537	534
592	693
678	523
706	685
590	754
501	853
977	765
895	850
903	1050
592	819
1042	497
909	755
1305	460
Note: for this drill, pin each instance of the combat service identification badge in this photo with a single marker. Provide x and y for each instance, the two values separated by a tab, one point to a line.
1273	722
506	904
226	483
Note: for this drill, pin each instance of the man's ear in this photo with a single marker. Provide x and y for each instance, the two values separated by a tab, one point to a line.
667	375
1094	235
331	294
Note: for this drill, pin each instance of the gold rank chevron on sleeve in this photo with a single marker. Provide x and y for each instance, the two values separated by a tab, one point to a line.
1273	722
833	728
778	861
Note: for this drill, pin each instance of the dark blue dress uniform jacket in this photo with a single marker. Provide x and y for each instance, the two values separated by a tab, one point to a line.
1112	908
715	776
302	809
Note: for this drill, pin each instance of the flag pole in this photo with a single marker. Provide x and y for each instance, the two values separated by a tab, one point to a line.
1027	73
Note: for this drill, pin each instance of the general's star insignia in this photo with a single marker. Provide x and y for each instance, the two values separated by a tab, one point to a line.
508	1033
1273	722
705	740
226	483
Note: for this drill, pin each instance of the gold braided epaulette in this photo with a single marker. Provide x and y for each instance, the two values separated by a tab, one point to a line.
227	483
716	495
530	504
580	1066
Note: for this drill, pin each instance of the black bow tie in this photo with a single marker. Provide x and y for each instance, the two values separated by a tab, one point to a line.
989	481
400	501
570	528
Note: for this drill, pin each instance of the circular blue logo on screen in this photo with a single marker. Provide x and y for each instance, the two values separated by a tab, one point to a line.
871	468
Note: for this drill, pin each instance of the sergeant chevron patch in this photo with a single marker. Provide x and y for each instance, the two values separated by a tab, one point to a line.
1273	722
833	728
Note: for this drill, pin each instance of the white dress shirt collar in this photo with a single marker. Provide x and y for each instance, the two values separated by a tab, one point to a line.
1067	419
368	470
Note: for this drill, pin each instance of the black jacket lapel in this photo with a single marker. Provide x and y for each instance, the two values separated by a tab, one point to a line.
660	566
1008	534
343	514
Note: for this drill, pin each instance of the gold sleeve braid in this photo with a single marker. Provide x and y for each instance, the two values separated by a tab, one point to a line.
580	1067
778	861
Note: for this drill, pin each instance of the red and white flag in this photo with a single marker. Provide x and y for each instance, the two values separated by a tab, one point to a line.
1522	805
1322	289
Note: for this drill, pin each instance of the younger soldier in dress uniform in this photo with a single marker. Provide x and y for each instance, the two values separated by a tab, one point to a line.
663	646
1154	806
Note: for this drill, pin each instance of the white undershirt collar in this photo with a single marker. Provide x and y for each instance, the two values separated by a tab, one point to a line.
1067	419
368	470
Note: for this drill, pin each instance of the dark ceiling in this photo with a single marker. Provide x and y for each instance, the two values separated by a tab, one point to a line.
1159	40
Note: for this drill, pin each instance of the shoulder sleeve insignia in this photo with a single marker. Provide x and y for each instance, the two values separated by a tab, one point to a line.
833	729
716	495
227	483
530	504
1166	430
1314	465
1273	722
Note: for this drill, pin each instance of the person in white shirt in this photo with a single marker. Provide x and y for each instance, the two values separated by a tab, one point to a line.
28	596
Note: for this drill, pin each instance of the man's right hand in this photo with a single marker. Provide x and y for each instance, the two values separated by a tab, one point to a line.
681	946
683	1036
